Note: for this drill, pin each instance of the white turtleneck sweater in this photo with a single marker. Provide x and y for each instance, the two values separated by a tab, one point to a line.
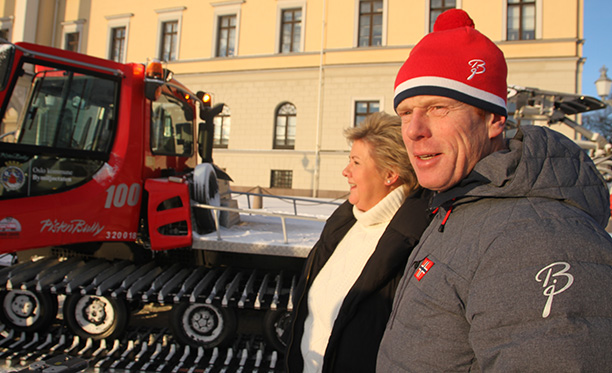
338	275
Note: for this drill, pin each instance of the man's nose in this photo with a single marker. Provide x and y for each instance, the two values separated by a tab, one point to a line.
418	127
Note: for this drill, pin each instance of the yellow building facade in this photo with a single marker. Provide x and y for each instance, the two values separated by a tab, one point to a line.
294	74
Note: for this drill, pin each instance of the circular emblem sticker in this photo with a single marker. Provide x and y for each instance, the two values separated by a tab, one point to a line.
10	225
12	178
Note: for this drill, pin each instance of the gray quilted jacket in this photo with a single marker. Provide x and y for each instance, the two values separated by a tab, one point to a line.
514	274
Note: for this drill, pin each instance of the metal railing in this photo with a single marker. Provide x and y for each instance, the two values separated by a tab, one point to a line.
294	200
282	216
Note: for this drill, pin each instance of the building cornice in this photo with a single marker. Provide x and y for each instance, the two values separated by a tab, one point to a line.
119	16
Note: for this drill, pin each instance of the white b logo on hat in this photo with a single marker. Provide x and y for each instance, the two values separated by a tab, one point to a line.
478	67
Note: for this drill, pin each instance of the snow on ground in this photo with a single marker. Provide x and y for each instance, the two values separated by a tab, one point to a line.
265	233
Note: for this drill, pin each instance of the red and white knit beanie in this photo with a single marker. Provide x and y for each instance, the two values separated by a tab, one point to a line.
455	61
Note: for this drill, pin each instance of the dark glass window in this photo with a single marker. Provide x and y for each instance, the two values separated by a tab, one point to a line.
363	109
284	130
291	30
281	179
72	42
521	20
437	7
171	126
64	120
4	33
370	23
223	122
226	36
117	44
66	109
169	40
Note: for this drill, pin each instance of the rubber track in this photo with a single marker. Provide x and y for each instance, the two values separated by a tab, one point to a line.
153	283
141	350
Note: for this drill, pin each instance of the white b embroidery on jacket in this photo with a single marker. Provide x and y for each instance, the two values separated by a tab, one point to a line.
551	282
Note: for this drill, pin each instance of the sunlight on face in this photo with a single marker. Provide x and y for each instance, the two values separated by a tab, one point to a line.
367	184
443	149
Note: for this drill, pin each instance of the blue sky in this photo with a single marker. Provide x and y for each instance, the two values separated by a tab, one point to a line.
598	42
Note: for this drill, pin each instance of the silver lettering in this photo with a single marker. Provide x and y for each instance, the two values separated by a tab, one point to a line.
551	284
477	67
72	227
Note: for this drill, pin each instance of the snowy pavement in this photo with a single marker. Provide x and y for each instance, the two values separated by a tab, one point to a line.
264	234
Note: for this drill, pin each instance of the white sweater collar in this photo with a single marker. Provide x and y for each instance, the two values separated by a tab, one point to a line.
383	211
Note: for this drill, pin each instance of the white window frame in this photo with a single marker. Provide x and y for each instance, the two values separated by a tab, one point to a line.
168	15
7	23
538	19
428	9
71	27
225	113
354	100
289	4
116	21
385	24
226	8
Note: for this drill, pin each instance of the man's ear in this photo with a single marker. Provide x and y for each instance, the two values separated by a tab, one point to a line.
496	124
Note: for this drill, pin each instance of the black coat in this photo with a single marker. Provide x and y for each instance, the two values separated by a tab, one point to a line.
361	321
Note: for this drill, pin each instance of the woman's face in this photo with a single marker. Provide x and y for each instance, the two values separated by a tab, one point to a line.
367	183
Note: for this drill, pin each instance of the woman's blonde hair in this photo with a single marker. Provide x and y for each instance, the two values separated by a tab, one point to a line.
384	134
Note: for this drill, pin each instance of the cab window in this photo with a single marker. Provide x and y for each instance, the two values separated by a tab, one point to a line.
57	129
171	126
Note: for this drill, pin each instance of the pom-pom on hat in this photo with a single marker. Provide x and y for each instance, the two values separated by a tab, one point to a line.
458	62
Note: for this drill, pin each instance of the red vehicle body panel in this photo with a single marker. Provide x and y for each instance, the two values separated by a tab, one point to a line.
108	206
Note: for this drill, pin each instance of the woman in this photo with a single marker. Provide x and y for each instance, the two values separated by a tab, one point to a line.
345	293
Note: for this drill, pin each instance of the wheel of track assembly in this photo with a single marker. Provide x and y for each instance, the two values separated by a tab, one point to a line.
205	189
27	310
275	323
200	324
96	317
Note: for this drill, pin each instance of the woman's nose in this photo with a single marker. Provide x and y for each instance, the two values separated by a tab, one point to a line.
345	172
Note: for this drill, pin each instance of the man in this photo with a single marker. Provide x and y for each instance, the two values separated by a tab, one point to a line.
515	271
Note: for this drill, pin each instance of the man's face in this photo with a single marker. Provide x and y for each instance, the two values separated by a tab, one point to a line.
444	138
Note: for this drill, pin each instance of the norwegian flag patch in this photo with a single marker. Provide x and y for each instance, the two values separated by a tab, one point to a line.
424	267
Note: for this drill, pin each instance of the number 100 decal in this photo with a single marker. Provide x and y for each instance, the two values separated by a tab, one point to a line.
119	195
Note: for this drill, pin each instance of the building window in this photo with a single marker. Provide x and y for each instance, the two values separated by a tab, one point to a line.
71	35
223	122
281	179
521	20
437	7
370	23
291	30
365	108
169	41
117	44
284	129
226	36
71	41
169	33
6	25
118	36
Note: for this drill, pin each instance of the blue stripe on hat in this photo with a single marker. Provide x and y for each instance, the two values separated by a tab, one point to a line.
436	86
